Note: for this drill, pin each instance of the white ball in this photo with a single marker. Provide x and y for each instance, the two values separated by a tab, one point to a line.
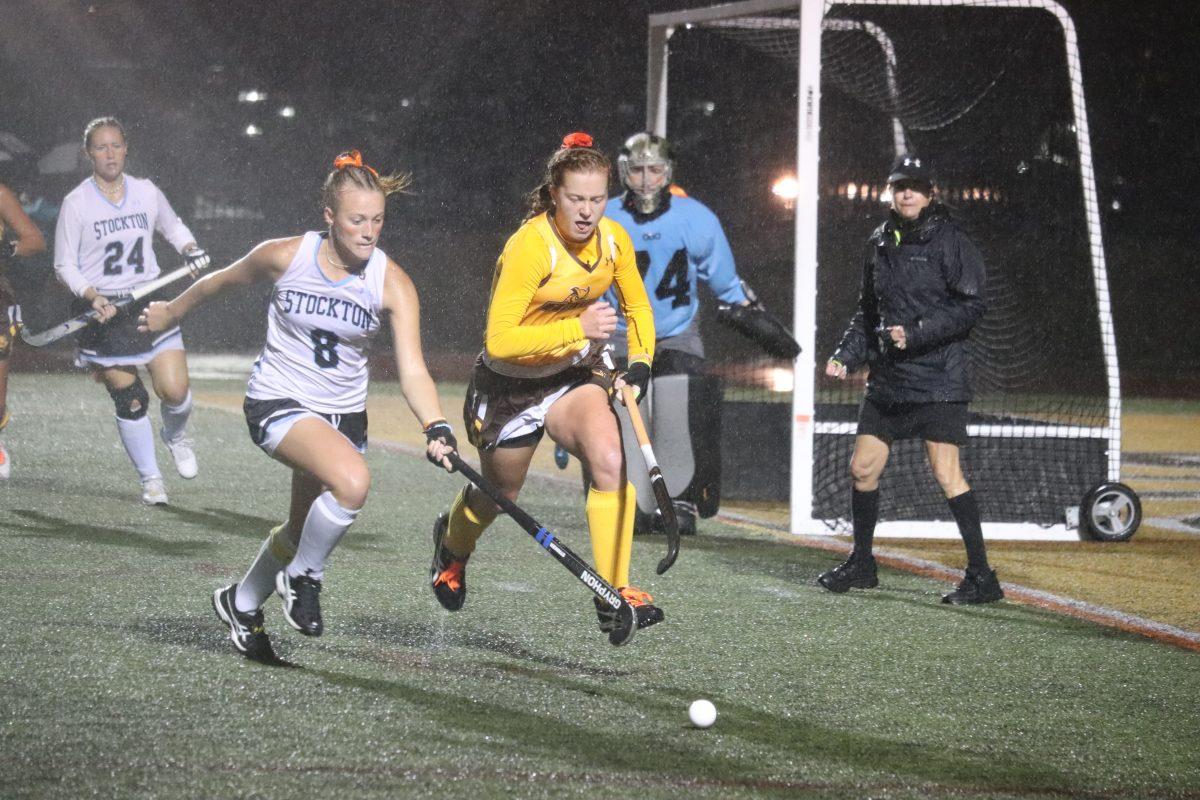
702	713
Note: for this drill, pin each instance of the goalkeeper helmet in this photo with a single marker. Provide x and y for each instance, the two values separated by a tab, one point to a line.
645	164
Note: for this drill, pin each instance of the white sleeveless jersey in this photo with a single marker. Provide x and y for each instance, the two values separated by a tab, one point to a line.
109	246
318	334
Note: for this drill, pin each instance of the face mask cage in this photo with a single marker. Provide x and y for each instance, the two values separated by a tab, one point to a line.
648	198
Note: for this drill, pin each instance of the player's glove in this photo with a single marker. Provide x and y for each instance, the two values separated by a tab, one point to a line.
197	261
638	376
440	431
757	325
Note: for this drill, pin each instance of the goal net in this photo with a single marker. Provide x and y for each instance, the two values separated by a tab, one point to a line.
990	93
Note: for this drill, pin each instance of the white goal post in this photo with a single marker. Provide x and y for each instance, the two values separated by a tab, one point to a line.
808	19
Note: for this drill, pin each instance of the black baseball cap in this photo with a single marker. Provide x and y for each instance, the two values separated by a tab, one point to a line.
910	167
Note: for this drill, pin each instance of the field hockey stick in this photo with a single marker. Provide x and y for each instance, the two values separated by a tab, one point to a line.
626	616
657	482
72	325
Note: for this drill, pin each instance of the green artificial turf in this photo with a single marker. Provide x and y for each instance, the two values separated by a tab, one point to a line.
118	681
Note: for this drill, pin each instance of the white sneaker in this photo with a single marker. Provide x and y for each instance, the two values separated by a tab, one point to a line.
184	455
5	464
154	492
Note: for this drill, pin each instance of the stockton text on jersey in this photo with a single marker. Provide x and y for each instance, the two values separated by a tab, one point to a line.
104	227
294	301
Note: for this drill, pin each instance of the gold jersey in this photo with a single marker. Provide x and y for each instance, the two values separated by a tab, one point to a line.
541	287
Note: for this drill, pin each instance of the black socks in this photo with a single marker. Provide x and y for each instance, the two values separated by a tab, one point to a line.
966	514
864	511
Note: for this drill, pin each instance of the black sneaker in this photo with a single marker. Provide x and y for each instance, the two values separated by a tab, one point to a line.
977	586
245	629
646	524
301	602
856	572
685	515
448	573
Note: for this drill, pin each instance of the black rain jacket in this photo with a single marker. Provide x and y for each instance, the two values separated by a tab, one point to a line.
927	276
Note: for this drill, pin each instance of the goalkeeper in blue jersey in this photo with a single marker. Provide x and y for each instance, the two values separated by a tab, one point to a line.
679	243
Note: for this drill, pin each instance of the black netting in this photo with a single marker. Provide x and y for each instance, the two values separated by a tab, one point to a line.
985	95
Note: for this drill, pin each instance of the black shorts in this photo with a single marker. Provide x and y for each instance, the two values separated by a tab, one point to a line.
933	422
118	340
263	415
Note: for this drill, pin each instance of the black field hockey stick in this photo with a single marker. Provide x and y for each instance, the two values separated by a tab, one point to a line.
626	616
62	329
657	482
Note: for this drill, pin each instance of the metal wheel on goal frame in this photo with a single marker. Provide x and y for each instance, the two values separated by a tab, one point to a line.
1111	512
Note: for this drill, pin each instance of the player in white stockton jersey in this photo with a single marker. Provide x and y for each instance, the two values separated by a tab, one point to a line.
103	248
306	400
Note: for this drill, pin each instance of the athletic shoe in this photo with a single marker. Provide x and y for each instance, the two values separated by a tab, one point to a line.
448	572
976	587
561	456
647	524
685	516
182	452
645	613
5	464
856	572
154	492
245	628
301	602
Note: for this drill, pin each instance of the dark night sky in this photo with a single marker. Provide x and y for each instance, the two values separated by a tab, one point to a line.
471	97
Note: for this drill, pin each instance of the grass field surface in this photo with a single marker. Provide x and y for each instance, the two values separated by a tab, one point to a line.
118	681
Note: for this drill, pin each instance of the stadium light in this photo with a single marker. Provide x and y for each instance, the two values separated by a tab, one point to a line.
787	189
253	130
251	96
287	112
781	380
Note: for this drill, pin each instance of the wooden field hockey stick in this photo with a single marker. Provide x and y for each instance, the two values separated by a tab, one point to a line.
657	482
62	329
626	616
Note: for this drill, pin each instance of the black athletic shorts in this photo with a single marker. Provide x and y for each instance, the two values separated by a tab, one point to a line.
119	338
933	422
262	414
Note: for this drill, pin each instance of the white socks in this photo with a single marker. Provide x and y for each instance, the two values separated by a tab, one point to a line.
259	582
323	529
138	437
174	418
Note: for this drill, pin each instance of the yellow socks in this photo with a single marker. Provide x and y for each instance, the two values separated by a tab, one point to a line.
606	515
465	527
625	540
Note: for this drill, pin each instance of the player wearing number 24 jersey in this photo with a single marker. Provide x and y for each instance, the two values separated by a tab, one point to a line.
678	244
103	248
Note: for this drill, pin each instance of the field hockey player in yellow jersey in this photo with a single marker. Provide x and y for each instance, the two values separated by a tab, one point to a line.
545	368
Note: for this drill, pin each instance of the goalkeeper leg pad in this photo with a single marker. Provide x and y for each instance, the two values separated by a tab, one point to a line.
687	438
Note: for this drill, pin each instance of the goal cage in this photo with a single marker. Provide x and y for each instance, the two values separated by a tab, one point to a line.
990	93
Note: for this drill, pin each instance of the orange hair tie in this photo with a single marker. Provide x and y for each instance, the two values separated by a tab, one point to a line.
352	159
576	139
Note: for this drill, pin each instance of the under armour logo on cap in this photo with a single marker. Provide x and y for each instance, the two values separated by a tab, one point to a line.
909	167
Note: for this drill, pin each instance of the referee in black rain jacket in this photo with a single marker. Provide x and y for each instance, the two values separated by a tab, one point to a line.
922	292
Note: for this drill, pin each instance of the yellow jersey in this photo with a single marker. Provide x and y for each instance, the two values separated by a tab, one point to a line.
540	288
